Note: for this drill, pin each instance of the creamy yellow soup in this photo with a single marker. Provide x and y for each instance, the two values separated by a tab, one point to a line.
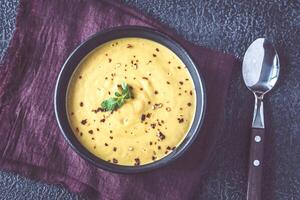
146	127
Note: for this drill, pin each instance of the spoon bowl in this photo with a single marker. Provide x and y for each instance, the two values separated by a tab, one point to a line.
260	66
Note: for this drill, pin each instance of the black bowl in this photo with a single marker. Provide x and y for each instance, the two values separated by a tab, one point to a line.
86	47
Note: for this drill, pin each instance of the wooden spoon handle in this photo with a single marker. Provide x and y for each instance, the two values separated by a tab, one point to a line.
255	164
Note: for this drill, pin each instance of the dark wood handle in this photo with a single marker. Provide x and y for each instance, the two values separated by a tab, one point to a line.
255	164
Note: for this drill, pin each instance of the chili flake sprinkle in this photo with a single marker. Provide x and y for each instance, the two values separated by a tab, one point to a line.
83	122
137	162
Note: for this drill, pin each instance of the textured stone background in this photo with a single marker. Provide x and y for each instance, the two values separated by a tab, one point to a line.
228	26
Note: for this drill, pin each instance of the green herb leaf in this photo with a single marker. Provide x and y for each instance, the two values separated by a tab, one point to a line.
116	102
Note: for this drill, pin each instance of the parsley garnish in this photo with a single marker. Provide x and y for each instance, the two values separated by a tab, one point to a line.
113	103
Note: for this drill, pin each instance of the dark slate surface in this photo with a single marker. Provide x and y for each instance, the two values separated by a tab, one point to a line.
229	26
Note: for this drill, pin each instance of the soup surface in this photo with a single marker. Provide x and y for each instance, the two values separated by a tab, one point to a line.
148	126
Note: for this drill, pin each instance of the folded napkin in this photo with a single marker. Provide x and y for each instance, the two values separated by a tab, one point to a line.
31	143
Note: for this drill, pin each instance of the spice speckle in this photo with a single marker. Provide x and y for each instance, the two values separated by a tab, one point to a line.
137	162
83	122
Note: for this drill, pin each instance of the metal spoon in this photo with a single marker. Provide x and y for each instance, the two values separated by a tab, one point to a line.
260	72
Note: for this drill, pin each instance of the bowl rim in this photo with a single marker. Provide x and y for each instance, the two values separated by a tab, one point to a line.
120	32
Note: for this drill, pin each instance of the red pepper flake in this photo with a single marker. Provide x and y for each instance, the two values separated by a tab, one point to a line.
178	67
106	78
129	46
180	120
111	137
90	131
168	147
149	102
115	160
180	82
153	125
108	92
166	152
106	144
93	138
83	122
150	143
141	89
189	104
143	117
145	78
137	161
169	62
81	104
155	92
161	135
148	115
98	129
168	82
72	113
157	49
98	110
115	149
153	158
80	77
102	120
159	124
154	55
159	147
109	60
191	93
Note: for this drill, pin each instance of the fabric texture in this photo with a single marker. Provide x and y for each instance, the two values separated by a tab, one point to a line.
31	143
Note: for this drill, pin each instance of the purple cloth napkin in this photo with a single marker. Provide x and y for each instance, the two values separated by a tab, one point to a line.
31	143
